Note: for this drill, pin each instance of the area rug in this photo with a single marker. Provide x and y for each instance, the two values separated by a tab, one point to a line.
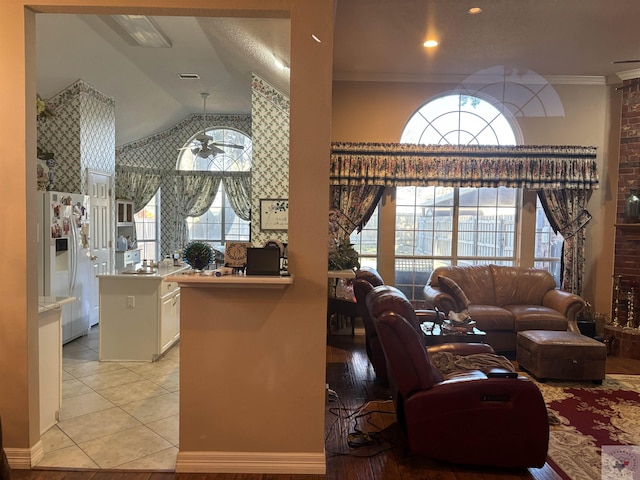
588	419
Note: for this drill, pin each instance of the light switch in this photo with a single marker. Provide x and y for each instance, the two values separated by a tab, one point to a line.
131	301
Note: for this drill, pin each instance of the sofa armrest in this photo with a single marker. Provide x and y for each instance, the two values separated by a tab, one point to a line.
460	348
566	303
437	298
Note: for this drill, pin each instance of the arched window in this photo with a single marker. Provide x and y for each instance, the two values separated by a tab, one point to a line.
220	223
438	226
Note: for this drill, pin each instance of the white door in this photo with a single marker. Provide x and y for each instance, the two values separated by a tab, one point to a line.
100	221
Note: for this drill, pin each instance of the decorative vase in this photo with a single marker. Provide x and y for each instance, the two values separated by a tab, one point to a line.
632	207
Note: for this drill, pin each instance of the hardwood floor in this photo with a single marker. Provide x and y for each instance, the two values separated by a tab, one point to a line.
351	377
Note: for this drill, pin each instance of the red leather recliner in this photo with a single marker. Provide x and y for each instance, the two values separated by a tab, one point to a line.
468	419
366	279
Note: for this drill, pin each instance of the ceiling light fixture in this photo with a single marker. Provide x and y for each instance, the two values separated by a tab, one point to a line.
474	10
431	43
143	31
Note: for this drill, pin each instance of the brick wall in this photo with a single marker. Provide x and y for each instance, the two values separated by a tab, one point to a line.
627	247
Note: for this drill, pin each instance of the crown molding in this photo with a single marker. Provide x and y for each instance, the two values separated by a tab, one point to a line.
629	74
477	78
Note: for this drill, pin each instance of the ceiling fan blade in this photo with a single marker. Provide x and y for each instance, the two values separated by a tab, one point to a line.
626	61
228	145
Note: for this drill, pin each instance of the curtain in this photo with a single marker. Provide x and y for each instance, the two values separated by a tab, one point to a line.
521	166
137	184
352	206
567	214
237	186
195	192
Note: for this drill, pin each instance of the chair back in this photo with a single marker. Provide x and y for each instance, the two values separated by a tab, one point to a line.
406	355
366	279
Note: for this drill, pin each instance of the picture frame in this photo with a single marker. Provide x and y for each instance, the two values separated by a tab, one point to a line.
274	214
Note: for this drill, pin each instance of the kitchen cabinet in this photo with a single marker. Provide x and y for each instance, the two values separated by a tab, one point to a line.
139	315
129	257
124	211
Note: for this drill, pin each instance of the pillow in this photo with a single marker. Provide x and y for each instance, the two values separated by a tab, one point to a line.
449	286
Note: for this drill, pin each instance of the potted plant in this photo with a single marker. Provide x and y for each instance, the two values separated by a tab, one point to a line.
342	255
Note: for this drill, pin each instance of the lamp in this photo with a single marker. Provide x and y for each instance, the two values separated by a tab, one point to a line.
143	31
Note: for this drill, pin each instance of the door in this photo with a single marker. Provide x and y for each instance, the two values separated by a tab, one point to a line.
100	221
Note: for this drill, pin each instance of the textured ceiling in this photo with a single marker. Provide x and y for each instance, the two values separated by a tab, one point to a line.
576	40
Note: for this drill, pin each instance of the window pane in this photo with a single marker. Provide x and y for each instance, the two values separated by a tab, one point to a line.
548	245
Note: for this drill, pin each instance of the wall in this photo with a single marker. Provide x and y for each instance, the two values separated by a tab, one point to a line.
303	333
270	161
627	260
81	135
564	115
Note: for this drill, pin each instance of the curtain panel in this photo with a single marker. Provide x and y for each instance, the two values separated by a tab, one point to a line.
237	186
137	184
520	166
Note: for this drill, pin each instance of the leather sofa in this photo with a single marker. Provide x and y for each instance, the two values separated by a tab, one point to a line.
473	417
504	300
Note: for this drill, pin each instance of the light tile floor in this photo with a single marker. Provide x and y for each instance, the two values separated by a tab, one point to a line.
115	415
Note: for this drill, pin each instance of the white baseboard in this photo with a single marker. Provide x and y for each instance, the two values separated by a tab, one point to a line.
251	462
24	458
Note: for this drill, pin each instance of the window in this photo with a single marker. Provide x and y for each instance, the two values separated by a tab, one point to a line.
548	245
438	226
366	242
147	228
220	223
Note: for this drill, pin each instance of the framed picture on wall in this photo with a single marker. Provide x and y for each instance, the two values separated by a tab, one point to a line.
274	213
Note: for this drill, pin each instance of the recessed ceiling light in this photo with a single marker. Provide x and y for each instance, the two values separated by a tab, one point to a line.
431	43
474	10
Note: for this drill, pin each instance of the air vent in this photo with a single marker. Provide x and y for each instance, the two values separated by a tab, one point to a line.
189	76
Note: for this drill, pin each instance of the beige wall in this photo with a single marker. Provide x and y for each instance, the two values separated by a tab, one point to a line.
309	154
378	111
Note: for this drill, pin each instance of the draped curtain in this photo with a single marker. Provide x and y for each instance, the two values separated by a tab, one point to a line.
136	184
564	175
237	186
195	192
567	214
352	206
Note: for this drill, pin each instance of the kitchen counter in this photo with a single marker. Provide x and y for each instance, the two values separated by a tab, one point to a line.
139	313
50	358
156	273
205	280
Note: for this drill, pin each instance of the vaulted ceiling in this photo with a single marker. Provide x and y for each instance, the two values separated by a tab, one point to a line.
576	40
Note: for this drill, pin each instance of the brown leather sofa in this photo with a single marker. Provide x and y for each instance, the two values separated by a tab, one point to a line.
504	300
471	418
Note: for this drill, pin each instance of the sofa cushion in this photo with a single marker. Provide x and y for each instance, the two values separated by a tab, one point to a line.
476	281
490	318
520	286
536	317
449	285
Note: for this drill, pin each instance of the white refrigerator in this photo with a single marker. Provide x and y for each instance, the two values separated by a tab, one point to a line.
64	257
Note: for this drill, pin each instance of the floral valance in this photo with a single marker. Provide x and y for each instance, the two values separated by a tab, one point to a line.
521	166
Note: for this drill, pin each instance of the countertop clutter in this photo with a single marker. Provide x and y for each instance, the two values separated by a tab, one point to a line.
159	270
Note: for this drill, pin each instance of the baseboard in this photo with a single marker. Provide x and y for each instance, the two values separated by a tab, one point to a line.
24	458
251	462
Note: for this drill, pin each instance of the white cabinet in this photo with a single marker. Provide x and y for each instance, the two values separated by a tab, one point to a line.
169	315
139	316
124	259
124	212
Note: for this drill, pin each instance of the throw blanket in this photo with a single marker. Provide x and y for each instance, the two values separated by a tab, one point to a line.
449	364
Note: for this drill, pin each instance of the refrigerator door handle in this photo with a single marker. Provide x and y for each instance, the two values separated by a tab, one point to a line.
74	255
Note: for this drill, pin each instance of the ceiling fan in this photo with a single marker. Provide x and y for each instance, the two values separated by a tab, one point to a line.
203	145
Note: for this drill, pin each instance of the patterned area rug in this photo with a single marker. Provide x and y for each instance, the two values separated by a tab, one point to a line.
584	417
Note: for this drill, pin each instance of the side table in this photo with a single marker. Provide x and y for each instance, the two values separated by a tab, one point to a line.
434	335
626	341
338	306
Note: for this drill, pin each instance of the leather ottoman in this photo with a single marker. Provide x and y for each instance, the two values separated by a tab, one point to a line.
561	355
